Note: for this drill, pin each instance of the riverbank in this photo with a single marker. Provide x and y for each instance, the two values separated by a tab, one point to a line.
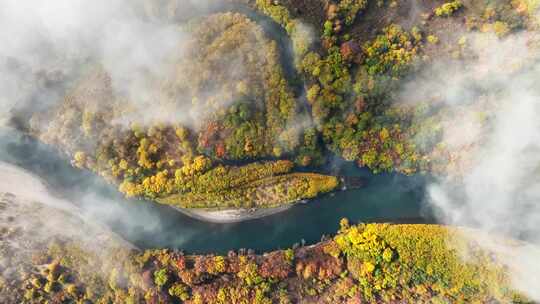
24	184
29	202
229	216
384	198
407	255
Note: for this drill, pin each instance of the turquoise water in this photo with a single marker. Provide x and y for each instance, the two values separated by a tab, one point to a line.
385	198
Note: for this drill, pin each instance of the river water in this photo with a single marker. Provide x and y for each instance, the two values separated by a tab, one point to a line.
385	198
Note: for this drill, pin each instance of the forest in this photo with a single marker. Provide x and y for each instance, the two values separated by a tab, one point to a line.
228	125
81	262
238	119
353	76
373	263
245	112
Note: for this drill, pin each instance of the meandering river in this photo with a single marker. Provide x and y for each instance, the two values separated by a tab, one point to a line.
385	198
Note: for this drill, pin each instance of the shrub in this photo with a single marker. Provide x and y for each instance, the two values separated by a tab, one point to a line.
448	9
161	277
180	291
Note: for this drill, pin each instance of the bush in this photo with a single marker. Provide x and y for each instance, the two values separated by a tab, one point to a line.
180	291
161	277
448	9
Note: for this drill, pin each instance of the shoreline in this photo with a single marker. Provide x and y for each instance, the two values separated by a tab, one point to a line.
23	189
230	216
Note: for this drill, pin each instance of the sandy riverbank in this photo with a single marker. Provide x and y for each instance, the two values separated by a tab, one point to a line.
231	215
29	187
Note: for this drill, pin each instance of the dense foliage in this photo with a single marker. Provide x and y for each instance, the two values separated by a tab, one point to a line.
351	79
240	107
448	8
361	264
227	128
226	98
347	86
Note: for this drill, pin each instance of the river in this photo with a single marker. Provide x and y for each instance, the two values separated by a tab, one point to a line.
386	198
